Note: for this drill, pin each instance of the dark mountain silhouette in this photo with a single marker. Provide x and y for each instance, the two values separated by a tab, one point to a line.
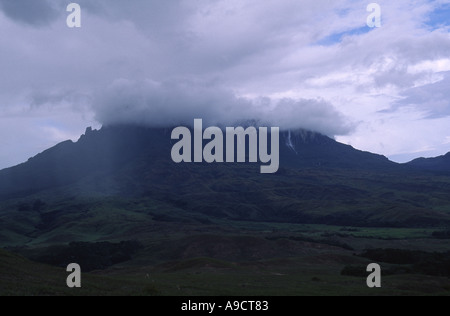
96	153
439	164
304	149
108	150
319	181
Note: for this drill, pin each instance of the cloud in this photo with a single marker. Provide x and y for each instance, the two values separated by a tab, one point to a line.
68	99
31	12
314	115
312	64
433	99
173	103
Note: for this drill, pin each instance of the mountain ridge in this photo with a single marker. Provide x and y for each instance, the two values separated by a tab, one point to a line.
111	180
435	164
107	149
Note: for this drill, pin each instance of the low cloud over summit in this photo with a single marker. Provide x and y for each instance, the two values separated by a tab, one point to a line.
172	103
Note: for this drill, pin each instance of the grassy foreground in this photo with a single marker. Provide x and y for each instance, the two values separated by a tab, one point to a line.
253	263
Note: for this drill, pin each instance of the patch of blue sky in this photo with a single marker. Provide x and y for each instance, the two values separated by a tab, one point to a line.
337	38
343	12
439	17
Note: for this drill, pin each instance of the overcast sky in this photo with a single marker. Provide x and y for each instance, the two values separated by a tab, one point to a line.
312	64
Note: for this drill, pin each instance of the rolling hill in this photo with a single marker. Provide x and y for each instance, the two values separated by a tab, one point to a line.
19	276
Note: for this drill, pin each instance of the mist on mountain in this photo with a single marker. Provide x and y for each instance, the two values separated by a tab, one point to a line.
178	102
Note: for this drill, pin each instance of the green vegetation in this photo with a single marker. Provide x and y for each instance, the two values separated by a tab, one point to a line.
445	234
19	276
220	229
436	264
314	274
91	256
185	253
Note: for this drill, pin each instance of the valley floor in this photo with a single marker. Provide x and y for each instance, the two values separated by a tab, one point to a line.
265	259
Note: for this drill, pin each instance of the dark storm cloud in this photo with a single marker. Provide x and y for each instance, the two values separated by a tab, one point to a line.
31	12
174	103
